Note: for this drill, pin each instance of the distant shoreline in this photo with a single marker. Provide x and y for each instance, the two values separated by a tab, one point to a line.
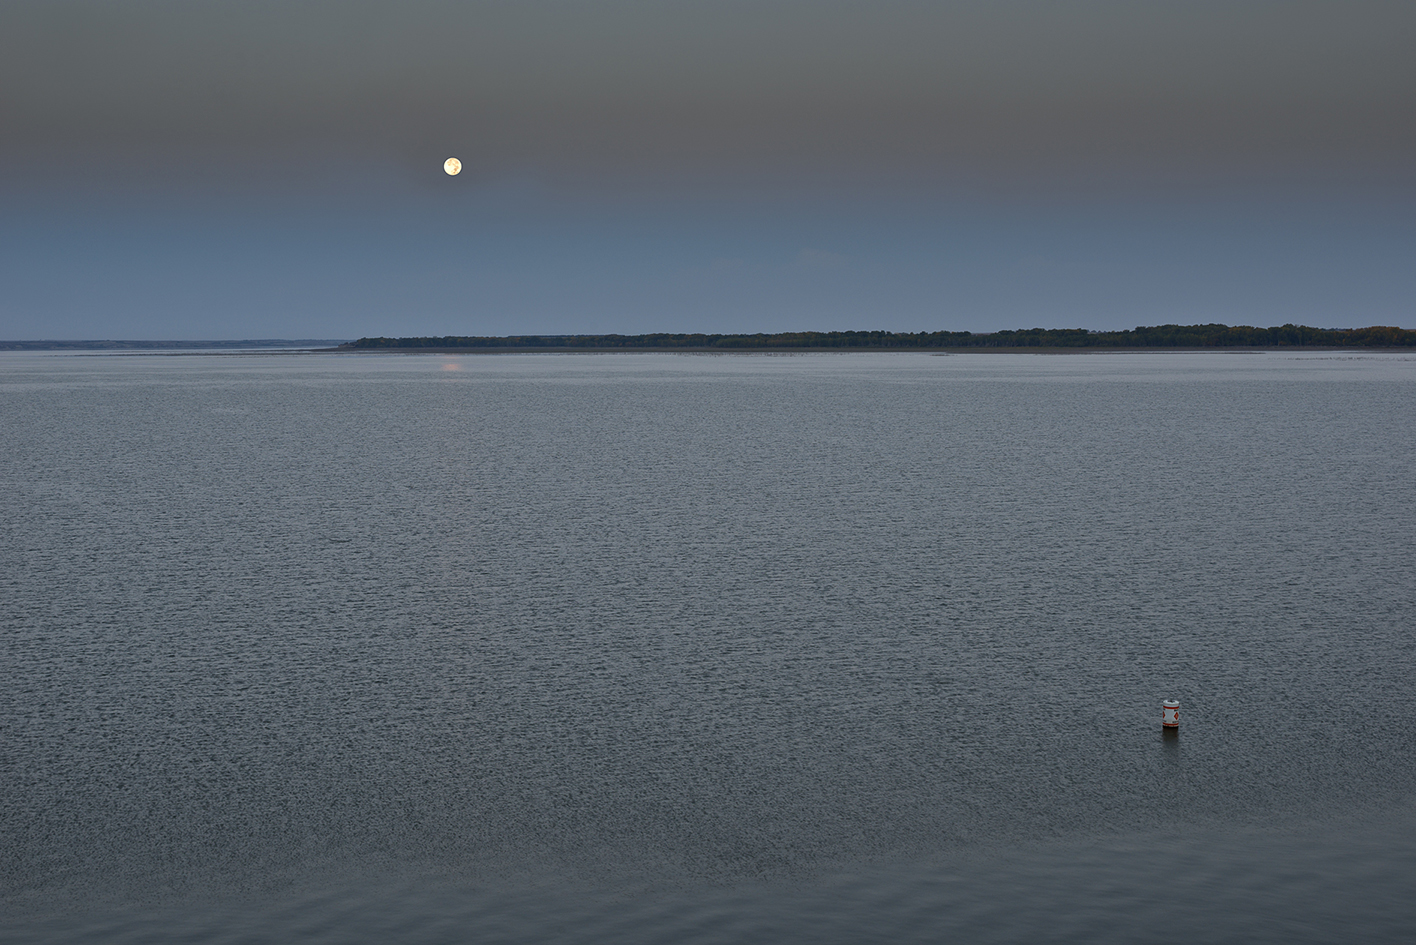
236	351
843	351
1159	337
1212	337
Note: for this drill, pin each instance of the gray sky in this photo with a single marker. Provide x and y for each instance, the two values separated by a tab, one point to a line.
240	169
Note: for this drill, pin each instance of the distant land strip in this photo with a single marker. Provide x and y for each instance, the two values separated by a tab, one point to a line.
1160	336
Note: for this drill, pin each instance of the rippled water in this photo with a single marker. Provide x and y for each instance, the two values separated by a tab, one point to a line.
654	648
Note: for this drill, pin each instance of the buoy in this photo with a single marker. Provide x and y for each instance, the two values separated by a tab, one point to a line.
1170	713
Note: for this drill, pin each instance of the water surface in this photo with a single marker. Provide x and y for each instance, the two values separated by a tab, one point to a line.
706	648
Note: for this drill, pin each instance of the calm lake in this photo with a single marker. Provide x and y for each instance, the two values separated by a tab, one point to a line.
659	648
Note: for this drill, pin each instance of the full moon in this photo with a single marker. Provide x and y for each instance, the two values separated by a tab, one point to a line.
453	167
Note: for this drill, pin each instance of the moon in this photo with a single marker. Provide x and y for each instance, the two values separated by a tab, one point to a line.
453	167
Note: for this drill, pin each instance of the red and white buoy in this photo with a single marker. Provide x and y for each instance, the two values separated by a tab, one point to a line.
1170	713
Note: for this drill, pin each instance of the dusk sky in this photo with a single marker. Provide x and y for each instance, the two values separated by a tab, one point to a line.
206	169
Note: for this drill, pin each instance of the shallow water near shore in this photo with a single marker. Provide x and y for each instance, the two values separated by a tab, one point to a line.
655	648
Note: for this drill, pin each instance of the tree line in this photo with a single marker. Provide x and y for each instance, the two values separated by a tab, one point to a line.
1159	336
